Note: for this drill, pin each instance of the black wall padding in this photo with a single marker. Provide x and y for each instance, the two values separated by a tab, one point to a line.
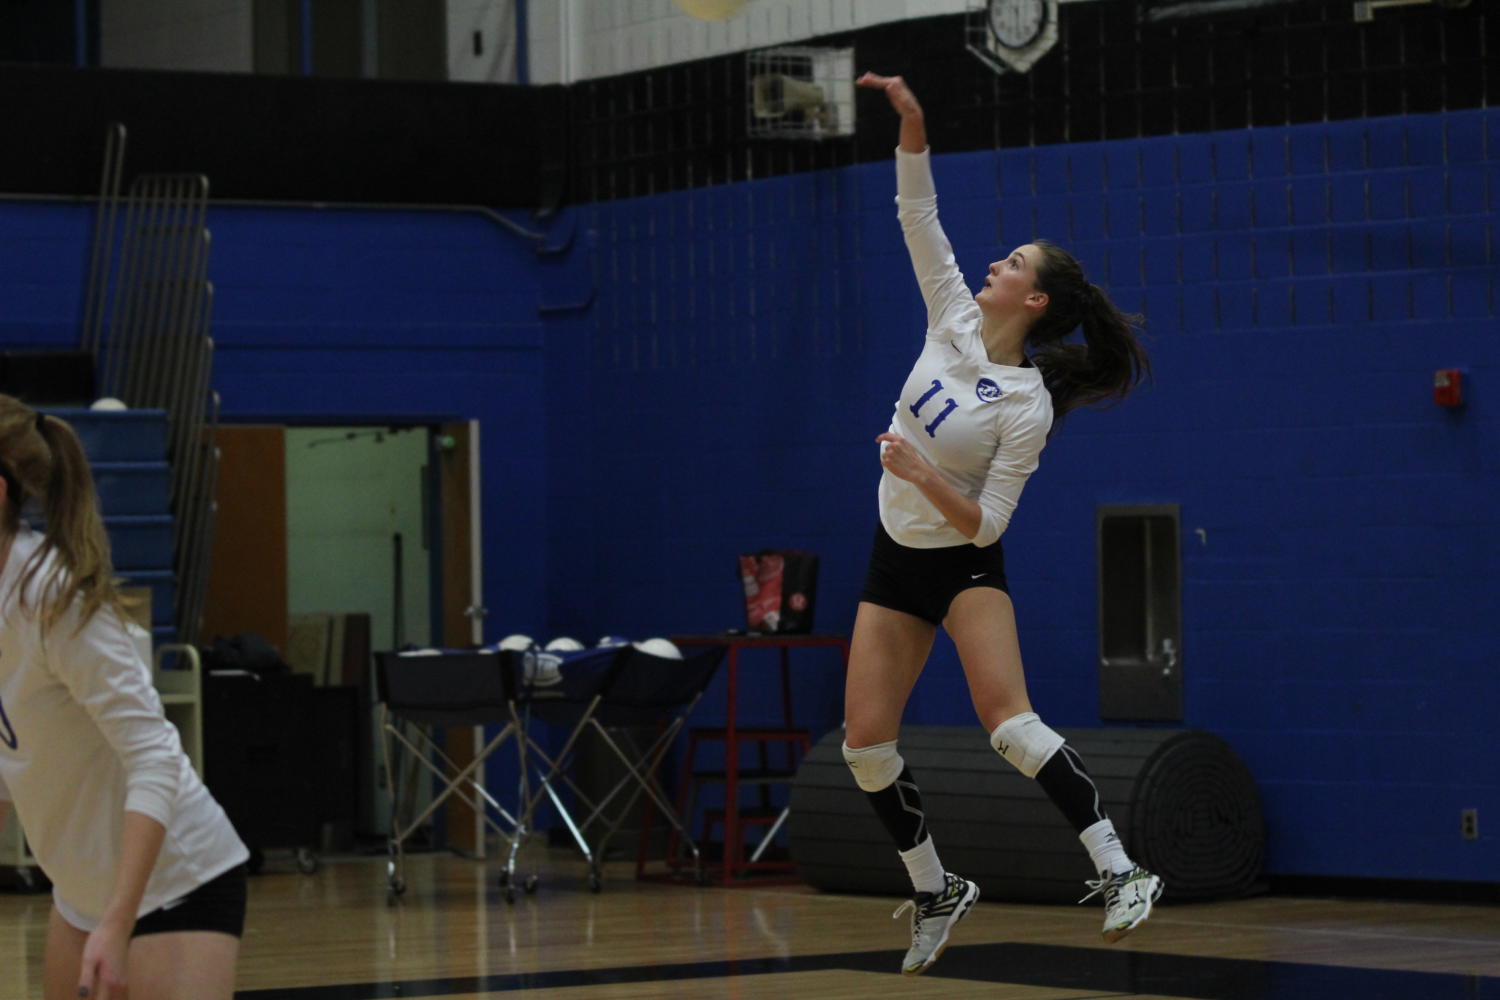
1183	801
287	138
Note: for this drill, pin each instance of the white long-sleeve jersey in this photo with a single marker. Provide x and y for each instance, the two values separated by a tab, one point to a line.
82	740
981	425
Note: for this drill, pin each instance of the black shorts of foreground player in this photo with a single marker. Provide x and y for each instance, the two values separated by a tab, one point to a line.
993	375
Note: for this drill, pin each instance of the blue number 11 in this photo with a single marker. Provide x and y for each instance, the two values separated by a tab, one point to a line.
949	405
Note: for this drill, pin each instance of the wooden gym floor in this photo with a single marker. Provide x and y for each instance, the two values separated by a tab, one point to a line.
332	935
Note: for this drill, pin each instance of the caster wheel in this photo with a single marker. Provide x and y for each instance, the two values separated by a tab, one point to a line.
398	886
530	884
595	883
504	879
307	861
510	894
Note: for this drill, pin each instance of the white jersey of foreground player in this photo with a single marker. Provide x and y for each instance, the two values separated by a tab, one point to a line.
82	740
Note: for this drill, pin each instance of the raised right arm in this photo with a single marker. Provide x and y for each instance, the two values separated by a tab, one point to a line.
932	259
913	125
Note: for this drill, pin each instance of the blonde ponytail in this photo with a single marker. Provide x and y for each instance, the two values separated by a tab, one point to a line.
41	459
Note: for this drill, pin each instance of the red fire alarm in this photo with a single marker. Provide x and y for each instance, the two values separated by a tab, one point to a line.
1448	388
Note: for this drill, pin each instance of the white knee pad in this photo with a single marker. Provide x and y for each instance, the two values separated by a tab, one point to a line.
1026	742
874	767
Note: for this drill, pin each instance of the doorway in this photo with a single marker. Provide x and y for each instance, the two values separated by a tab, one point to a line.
357	529
334	541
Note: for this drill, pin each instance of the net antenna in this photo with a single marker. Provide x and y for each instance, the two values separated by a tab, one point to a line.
801	92
1009	36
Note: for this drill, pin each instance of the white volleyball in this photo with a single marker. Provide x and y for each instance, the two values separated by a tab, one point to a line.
108	403
564	644
517	642
542	669
663	648
611	641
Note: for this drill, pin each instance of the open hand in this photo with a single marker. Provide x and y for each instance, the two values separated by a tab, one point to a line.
896	91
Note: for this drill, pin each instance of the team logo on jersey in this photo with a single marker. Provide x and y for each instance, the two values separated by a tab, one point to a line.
987	390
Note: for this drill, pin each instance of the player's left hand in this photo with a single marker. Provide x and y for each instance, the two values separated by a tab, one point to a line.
105	955
900	459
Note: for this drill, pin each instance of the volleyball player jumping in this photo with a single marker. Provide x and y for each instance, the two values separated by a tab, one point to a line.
993	375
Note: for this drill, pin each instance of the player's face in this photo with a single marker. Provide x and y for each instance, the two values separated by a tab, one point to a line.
1010	281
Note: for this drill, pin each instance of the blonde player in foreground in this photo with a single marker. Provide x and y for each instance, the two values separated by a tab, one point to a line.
148	875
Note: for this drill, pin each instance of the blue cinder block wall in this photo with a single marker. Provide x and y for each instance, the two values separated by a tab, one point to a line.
703	372
390	314
347	314
1301	285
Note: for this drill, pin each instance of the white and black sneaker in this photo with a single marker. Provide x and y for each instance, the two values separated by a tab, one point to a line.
1127	900
933	916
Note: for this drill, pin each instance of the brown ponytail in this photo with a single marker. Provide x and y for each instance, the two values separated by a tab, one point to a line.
41	458
1108	364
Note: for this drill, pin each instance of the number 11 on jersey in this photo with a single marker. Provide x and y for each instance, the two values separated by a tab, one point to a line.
949	405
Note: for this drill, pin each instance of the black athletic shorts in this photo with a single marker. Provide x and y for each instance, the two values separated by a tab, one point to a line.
923	582
216	905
